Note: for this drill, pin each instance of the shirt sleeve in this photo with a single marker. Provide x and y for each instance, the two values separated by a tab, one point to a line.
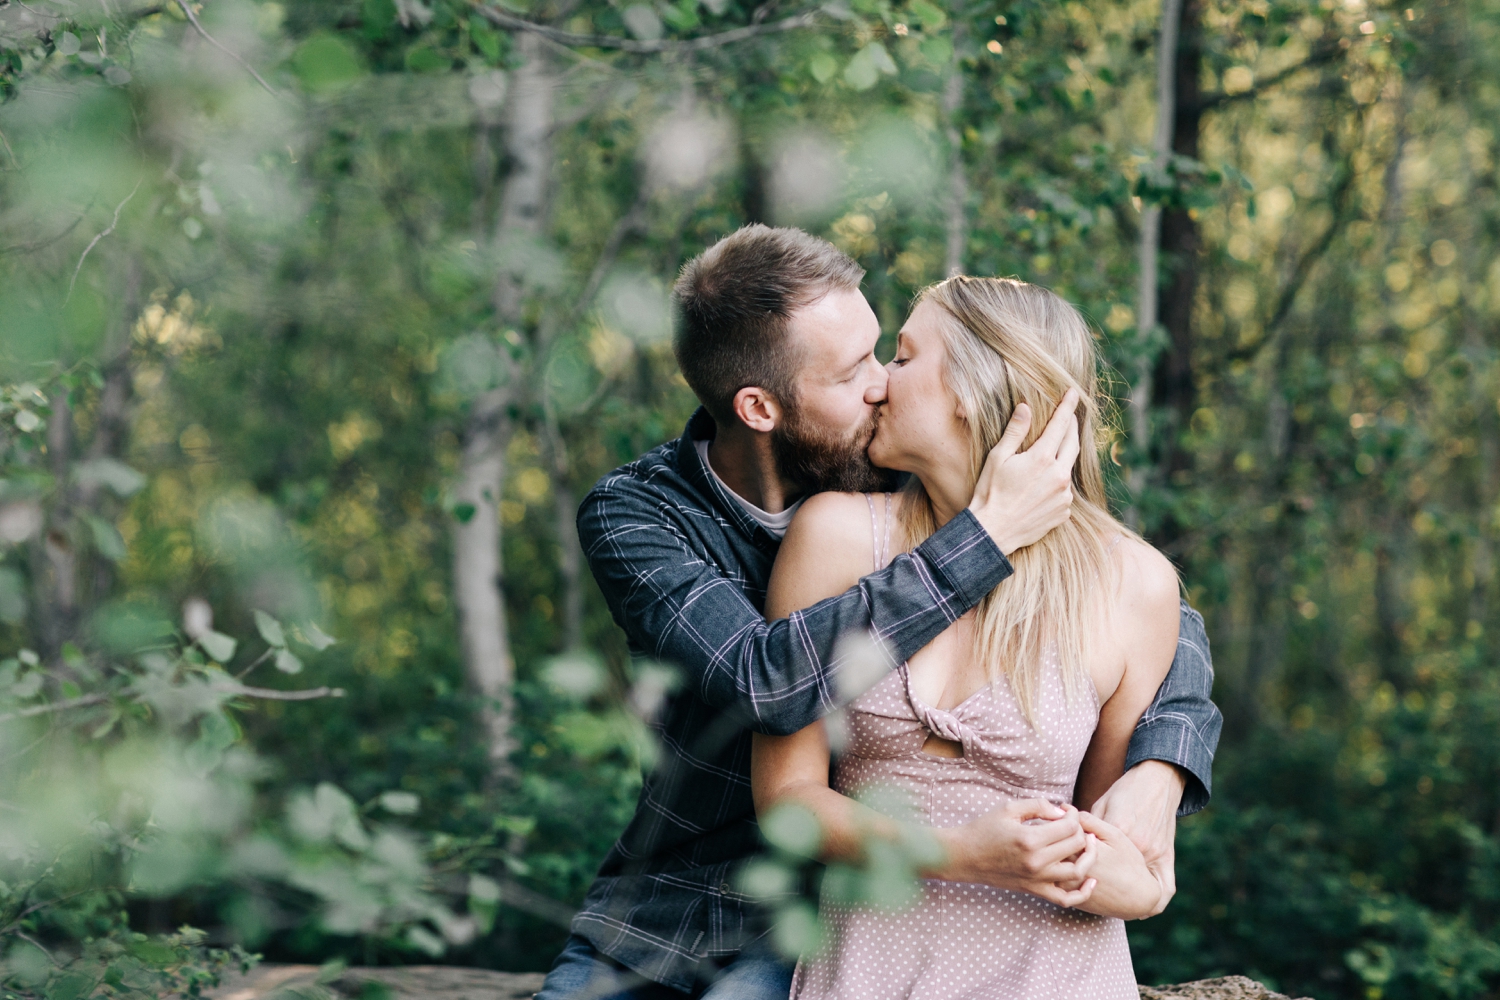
775	677
1182	724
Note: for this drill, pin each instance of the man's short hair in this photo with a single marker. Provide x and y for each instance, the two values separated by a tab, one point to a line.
733	301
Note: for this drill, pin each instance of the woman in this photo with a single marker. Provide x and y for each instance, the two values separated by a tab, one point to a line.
1033	694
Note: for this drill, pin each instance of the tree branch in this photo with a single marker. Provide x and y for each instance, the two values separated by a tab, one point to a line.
95	241
233	689
1322	53
56	706
699	44
40	244
627	224
271	694
210	39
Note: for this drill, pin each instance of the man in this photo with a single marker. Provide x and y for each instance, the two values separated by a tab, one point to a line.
777	342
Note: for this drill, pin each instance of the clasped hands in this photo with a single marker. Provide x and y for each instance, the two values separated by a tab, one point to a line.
1059	853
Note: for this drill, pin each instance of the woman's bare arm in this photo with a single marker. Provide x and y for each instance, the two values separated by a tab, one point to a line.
1144	619
826	550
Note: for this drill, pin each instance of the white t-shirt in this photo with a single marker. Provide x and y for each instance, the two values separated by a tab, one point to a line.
776	524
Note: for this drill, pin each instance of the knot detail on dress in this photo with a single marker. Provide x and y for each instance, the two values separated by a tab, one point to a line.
940	722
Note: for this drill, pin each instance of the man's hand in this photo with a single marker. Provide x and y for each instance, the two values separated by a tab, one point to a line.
1022	495
1029	845
1143	804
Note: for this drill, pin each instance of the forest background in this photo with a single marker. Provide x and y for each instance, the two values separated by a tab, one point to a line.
317	318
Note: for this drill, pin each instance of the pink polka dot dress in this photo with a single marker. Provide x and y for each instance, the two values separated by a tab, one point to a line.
959	940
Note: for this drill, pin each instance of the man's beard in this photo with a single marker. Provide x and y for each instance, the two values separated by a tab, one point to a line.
815	461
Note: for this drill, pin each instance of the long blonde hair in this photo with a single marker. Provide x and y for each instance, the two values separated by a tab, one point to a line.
1010	342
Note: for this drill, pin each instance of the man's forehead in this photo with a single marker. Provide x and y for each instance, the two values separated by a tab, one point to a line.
840	322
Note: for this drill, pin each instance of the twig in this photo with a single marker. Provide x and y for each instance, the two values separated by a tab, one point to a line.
699	44
56	706
627	224
33	942
40	244
271	694
262	658
95	241
232	689
210	39
41	906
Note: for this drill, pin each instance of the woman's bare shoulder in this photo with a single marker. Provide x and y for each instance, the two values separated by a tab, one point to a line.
1147	590
831	519
826	550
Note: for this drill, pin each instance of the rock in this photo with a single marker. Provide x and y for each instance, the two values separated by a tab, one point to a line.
1227	988
270	981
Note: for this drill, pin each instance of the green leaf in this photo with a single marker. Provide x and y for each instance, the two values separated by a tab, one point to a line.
937	51
794	829
103	729
269	628
325	62
119	478
867	65
485	39
70	690
929	15
107	540
27	687
424	60
70	986
287	661
822	66
13	603
376	17
311	635
218	645
400	803
464	512
152	952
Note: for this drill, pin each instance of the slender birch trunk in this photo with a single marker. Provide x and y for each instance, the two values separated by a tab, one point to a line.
478	572
1147	293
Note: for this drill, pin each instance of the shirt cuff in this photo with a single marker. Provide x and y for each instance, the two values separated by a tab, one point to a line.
1174	742
964	556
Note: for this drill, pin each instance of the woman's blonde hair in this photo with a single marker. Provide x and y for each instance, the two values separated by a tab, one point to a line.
1010	342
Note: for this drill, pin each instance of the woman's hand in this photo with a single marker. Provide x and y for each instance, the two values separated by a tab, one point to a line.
1127	886
1028	845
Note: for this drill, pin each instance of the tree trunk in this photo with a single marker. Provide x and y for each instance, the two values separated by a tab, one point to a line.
569	552
478	571
1139	403
958	185
1175	389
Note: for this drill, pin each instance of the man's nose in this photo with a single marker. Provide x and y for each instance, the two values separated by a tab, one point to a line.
875	391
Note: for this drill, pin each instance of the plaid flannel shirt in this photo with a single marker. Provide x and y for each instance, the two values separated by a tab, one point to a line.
684	570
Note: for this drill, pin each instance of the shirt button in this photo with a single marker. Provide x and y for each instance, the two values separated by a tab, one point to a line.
723	886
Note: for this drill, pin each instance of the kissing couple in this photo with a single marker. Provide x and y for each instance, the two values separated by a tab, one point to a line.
1045	707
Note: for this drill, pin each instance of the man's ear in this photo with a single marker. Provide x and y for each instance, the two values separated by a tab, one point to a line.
757	409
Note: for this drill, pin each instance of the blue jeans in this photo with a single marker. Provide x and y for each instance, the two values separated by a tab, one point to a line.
581	973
